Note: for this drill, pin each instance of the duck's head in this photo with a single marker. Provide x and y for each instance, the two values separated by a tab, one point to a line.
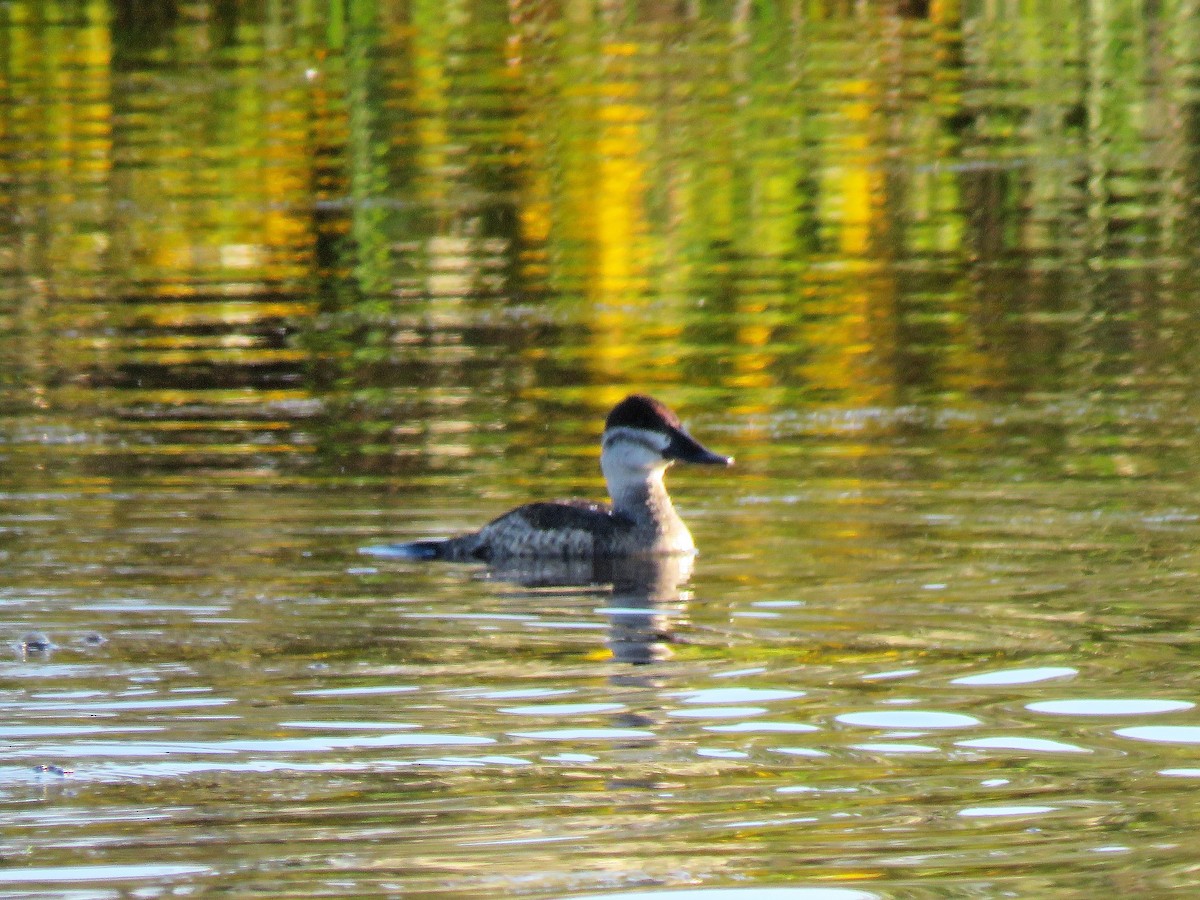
642	437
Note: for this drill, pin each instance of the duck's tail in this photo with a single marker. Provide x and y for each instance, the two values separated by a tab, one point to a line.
411	550
465	548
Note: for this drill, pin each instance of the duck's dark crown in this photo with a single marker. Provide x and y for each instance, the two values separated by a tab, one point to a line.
640	411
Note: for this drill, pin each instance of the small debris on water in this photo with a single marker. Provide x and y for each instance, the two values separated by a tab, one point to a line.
53	770
36	642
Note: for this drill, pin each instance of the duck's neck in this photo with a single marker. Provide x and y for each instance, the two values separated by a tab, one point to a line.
645	500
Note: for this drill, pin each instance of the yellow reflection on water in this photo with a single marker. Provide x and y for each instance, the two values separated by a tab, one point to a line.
438	203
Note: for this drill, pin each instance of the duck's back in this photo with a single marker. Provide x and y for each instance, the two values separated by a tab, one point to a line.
561	528
566	528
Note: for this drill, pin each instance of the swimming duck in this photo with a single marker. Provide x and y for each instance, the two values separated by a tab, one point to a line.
642	439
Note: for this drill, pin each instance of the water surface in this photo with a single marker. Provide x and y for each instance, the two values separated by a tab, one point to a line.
277	283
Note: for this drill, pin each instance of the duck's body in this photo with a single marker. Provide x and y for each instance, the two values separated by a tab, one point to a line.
642	438
567	529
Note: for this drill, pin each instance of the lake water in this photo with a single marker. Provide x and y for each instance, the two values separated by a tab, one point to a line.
280	281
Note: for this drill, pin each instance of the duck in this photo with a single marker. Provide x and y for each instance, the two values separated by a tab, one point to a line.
642	438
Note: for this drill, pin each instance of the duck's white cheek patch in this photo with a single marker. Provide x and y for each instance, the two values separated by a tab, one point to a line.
634	448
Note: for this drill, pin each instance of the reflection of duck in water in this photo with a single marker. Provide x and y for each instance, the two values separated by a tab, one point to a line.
642	438
647	596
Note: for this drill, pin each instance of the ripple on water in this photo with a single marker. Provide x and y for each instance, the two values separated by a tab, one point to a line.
92	707
346	726
908	718
1162	734
739	673
97	749
515	693
719	712
363	741
718	696
810	789
740	893
473	761
1104	707
763	728
985	812
182	768
362	690
585	734
800	751
1016	676
884	747
24	731
1033	745
562	709
98	873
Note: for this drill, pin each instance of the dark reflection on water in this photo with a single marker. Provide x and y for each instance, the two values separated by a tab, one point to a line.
645	594
278	281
